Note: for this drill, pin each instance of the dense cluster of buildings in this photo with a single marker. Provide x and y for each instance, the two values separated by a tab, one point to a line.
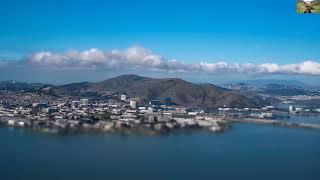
41	111
47	112
294	110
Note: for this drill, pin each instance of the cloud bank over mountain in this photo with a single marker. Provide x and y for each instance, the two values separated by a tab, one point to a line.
137	57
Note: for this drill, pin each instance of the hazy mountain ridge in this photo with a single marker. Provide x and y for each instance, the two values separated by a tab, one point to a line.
274	87
19	86
179	91
264	82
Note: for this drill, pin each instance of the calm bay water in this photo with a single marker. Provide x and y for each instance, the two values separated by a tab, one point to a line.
245	152
314	119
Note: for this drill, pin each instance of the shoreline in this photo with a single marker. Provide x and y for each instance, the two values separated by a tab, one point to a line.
277	123
128	128
117	126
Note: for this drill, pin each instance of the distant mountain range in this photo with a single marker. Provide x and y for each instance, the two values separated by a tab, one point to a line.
17	86
274	87
264	82
179	91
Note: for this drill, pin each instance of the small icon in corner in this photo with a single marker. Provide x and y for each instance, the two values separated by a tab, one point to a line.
308	6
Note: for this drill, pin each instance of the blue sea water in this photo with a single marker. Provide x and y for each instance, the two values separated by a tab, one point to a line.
310	119
244	152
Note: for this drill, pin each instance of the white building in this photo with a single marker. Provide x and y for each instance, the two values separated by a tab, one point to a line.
21	123
84	102
291	109
150	110
266	115
192	113
123	97
269	107
11	122
133	104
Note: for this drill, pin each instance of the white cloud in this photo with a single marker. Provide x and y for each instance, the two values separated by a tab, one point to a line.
304	68
138	57
134	56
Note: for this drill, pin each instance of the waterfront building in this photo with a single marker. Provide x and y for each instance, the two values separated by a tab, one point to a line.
266	115
291	109
11	122
21	123
262	115
298	109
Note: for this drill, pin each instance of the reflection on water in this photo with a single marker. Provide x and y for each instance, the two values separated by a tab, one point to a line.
245	152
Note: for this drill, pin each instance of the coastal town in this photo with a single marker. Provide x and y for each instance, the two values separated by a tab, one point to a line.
44	112
119	112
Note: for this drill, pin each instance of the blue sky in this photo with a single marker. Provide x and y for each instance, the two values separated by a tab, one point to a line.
248	31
